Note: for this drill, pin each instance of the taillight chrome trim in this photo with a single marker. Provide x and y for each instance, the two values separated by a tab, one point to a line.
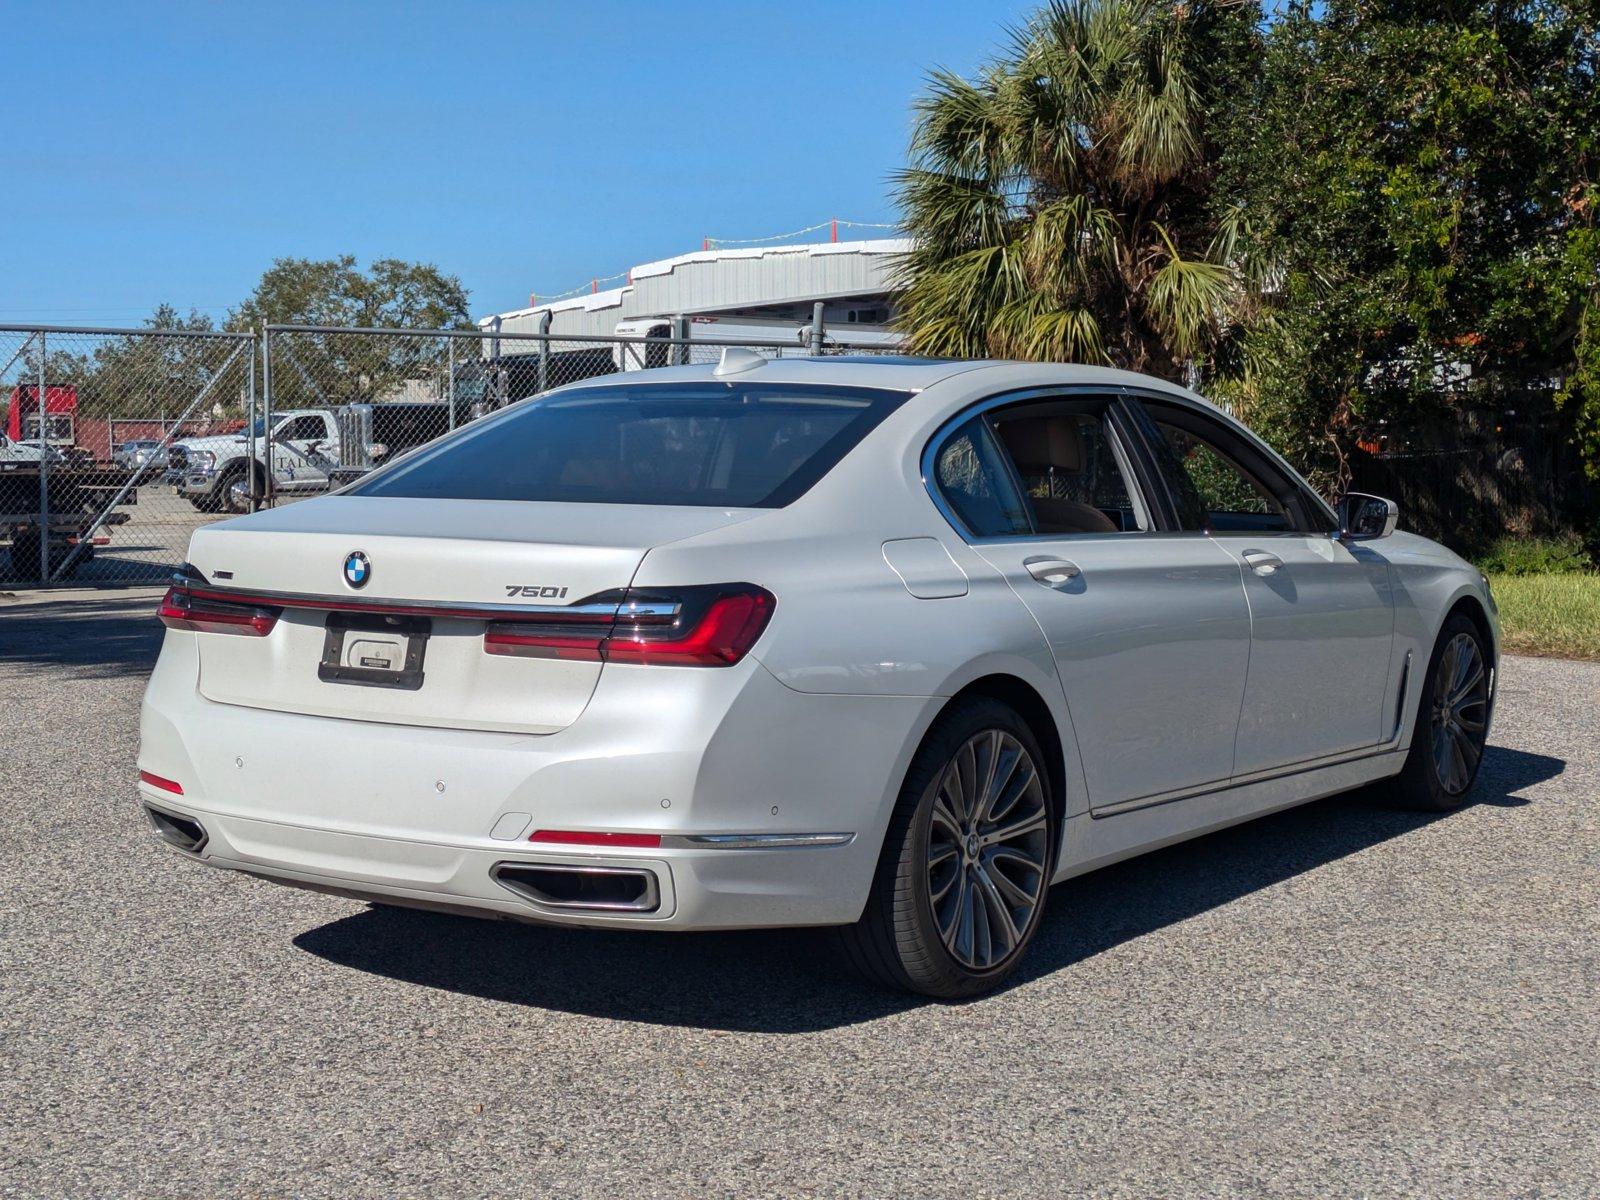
596	611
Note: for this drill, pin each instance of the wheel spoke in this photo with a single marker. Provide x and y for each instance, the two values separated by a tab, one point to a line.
989	766
1474	674
963	945
999	913
944	814
1009	759
1019	828
1014	893
1019	782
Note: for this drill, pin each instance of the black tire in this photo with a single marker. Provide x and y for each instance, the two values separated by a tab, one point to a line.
25	557
898	942
226	498
1435	779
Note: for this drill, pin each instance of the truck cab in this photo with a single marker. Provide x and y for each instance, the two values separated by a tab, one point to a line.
219	473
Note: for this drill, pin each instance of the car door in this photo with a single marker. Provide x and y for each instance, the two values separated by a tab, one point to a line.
1322	610
1151	634
300	452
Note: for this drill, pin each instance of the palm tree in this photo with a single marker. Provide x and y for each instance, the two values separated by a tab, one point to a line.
1059	205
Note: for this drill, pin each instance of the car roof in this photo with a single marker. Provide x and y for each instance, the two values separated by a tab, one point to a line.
894	372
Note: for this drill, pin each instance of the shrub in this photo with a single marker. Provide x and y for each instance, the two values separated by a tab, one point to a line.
1536	556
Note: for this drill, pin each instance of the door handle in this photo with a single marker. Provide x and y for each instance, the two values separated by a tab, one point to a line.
1052	572
1261	562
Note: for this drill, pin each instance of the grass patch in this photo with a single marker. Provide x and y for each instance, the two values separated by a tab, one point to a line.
1549	614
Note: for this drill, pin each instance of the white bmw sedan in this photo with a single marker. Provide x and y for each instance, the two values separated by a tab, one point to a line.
887	645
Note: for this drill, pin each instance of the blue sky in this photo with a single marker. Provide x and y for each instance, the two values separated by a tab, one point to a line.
168	152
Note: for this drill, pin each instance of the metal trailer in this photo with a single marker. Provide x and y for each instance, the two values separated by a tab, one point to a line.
73	504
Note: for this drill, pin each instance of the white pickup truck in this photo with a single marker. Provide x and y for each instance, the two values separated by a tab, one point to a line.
218	472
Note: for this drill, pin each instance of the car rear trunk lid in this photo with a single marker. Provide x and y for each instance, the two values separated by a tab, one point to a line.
432	574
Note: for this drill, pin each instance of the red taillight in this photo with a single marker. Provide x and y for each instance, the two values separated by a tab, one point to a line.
690	627
166	785
728	628
182	609
573	837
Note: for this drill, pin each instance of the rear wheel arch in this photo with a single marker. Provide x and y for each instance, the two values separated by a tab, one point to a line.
1022	697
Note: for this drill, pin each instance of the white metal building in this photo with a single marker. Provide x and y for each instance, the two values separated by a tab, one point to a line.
765	292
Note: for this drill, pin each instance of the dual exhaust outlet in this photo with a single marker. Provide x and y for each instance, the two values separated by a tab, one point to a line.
547	885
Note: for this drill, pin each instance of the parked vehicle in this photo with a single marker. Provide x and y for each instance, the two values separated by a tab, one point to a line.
219	472
77	493
60	412
140	452
309	448
887	645
27	451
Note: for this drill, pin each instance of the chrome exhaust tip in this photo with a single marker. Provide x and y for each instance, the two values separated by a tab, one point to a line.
177	830
567	888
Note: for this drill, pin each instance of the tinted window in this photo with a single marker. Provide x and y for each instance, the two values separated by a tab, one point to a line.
712	445
1064	455
972	477
1220	482
302	429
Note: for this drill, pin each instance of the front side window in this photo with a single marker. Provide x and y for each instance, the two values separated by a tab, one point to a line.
716	445
1219	483
302	429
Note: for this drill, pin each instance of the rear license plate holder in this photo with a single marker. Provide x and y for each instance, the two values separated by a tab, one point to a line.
390	657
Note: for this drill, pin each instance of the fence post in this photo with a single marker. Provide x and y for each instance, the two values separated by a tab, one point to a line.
680	338
816	328
266	412
40	413
544	352
254	476
450	382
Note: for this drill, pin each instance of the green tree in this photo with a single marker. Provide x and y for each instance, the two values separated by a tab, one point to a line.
327	368
1062	204
1426	175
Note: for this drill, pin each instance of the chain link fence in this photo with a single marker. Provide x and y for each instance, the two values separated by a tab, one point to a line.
90	415
143	435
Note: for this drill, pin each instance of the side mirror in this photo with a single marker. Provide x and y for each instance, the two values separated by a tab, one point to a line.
1364	518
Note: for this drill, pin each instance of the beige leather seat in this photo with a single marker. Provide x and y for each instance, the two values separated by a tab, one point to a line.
1053	446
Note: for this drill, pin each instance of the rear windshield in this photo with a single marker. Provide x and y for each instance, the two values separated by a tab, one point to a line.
717	445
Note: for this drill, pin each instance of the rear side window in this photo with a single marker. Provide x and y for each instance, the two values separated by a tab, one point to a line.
715	445
973	479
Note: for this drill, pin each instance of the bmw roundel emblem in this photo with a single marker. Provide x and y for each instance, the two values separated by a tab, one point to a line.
357	570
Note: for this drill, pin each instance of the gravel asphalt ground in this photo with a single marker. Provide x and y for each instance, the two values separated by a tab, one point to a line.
1338	1001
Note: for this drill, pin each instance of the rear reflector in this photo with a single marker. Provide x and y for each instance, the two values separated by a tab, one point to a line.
571	837
703	626
182	609
166	785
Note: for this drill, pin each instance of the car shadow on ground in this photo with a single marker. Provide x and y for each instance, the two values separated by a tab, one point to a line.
791	982
118	635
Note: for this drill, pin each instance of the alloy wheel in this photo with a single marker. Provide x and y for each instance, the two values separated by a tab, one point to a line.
988	846
1460	713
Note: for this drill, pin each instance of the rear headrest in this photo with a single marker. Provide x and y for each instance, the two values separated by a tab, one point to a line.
1040	443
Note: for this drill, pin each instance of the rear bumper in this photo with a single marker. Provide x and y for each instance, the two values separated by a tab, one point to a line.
694	889
425	816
